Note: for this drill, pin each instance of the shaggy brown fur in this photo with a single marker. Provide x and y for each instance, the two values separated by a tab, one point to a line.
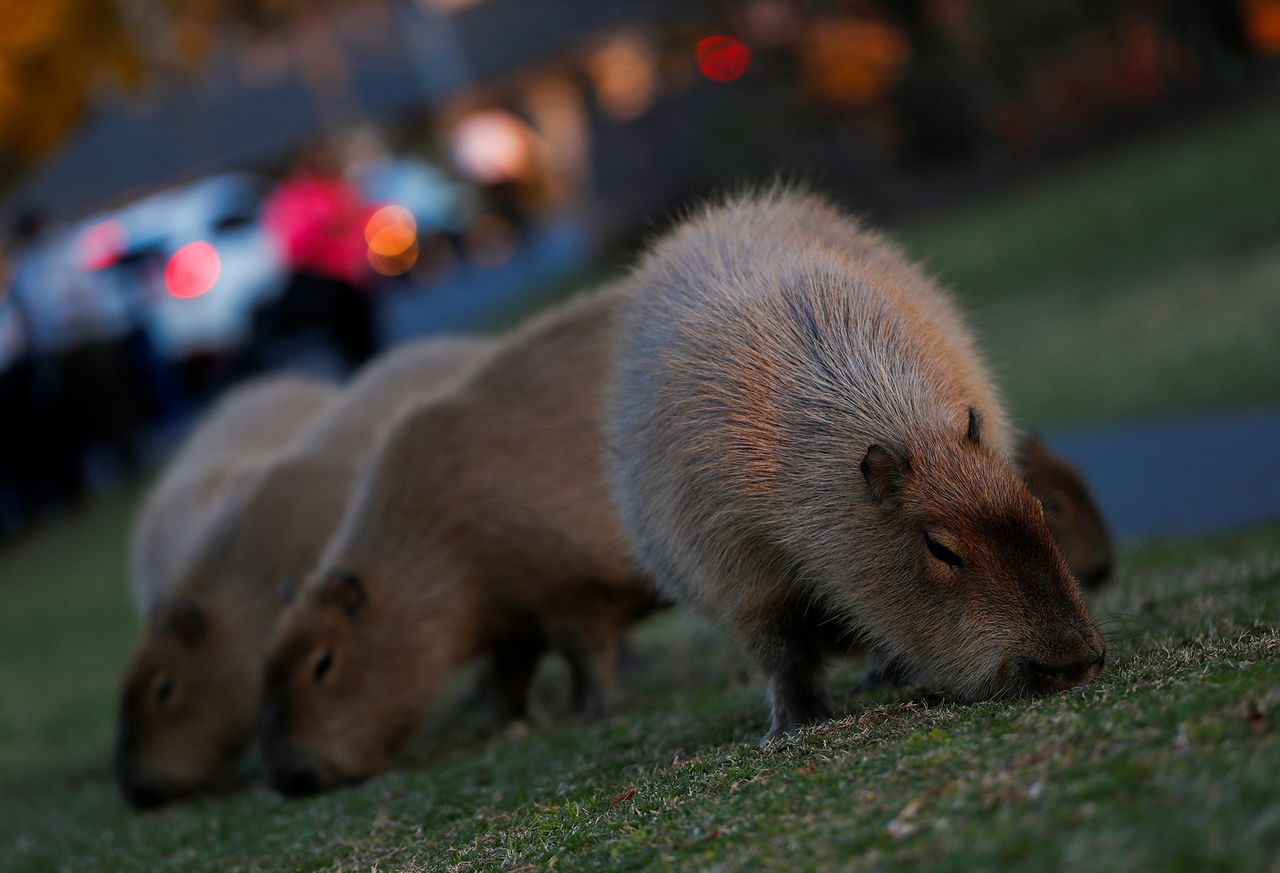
1074	518
483	526
191	697
805	443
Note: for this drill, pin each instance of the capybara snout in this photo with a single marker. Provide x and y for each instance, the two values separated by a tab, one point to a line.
288	771
1043	677
321	727
137	789
170	740
1069	652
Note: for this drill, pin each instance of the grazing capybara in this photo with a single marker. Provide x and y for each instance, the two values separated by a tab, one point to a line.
482	527
191	697
806	444
249	424
1069	508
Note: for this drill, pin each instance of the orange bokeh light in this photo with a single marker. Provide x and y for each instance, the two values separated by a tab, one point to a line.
392	235
852	61
391	216
1262	23
722	58
192	270
394	265
392	240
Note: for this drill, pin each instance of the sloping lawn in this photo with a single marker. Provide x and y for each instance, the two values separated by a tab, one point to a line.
1141	283
1170	761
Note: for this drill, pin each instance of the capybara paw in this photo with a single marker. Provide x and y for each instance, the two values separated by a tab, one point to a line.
785	724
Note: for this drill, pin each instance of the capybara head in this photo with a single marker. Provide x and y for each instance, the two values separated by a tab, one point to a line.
185	714
343	686
192	694
972	590
1069	508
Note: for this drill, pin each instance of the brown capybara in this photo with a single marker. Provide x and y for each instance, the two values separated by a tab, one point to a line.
191	696
482	527
251	423
805	443
1074	518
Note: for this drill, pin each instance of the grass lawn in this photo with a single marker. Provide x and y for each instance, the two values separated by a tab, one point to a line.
1142	285
1145	282
1169	762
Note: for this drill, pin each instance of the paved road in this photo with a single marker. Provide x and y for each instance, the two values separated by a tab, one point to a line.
1182	476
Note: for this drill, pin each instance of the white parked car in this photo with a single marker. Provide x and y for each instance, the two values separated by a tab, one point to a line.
198	255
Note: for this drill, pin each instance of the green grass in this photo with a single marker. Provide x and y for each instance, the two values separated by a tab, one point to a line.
1168	762
1143	283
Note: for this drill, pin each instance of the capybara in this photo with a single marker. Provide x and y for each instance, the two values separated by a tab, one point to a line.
191	697
806	444
1069	508
483	527
249	424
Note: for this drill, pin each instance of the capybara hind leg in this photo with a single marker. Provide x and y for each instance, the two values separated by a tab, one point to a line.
593	665
515	662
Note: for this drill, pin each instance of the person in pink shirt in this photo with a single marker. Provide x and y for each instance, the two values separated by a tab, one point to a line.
317	220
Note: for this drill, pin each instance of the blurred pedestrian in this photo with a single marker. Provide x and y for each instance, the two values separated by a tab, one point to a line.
317	219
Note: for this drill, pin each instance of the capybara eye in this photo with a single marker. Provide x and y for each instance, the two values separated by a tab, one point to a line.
164	692
322	666
942	553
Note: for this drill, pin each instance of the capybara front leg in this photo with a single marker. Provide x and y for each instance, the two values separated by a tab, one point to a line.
795	685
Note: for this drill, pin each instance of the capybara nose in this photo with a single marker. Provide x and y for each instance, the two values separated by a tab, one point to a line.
139	793
293	780
1058	676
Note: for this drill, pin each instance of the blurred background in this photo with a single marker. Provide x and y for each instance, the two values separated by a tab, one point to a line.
194	192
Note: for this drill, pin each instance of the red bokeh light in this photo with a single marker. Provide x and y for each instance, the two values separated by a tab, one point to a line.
722	58
102	245
192	270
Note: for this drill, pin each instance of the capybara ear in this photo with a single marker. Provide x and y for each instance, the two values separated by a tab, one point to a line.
974	432
187	621
885	473
344	590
